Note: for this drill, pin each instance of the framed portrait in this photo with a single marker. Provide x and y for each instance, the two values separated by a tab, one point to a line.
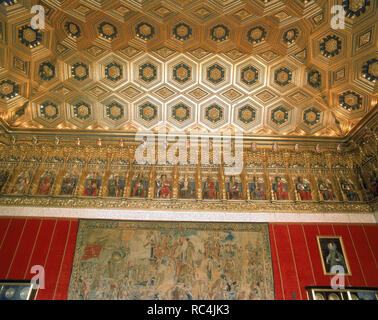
17	290
332	254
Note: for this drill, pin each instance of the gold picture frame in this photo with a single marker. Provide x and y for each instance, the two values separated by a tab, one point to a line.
332	253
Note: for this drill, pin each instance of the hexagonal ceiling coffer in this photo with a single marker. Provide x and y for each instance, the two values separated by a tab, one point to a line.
314	79
81	111
250	75
46	71
281	117
354	8
115	111
313	118
9	89
72	29
216	74
181	113
113	71
248	115
214	114
182	31
290	36
370	70
330	46
284	76
147	72
148	112
144	30
256	34
350	100
29	37
107	30
219	33
182	73
47	111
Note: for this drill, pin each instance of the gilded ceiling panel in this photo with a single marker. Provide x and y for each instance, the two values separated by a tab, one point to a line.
269	67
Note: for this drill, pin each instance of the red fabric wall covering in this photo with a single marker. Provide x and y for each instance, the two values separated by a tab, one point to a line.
26	242
297	262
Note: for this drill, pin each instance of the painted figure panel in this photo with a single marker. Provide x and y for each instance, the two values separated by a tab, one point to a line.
373	185
234	188
280	188
257	189
45	183
92	185
116	186
210	189
139	186
163	187
69	184
326	190
187	188
349	190
22	183
303	188
4	176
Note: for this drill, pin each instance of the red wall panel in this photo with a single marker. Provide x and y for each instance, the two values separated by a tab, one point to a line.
365	257
21	257
279	292
295	254
46	242
10	245
299	241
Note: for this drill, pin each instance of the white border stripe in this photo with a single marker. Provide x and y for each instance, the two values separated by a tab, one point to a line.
187	215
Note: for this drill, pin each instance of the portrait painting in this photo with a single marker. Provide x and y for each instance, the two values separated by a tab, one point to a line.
163	187
139	186
326	190
349	190
210	189
234	188
302	186
92	185
69	184
140	260
45	183
257	189
187	188
22	183
116	186
333	256
4	176
280	188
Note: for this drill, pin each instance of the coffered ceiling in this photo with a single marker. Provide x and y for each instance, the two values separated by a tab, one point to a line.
265	67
